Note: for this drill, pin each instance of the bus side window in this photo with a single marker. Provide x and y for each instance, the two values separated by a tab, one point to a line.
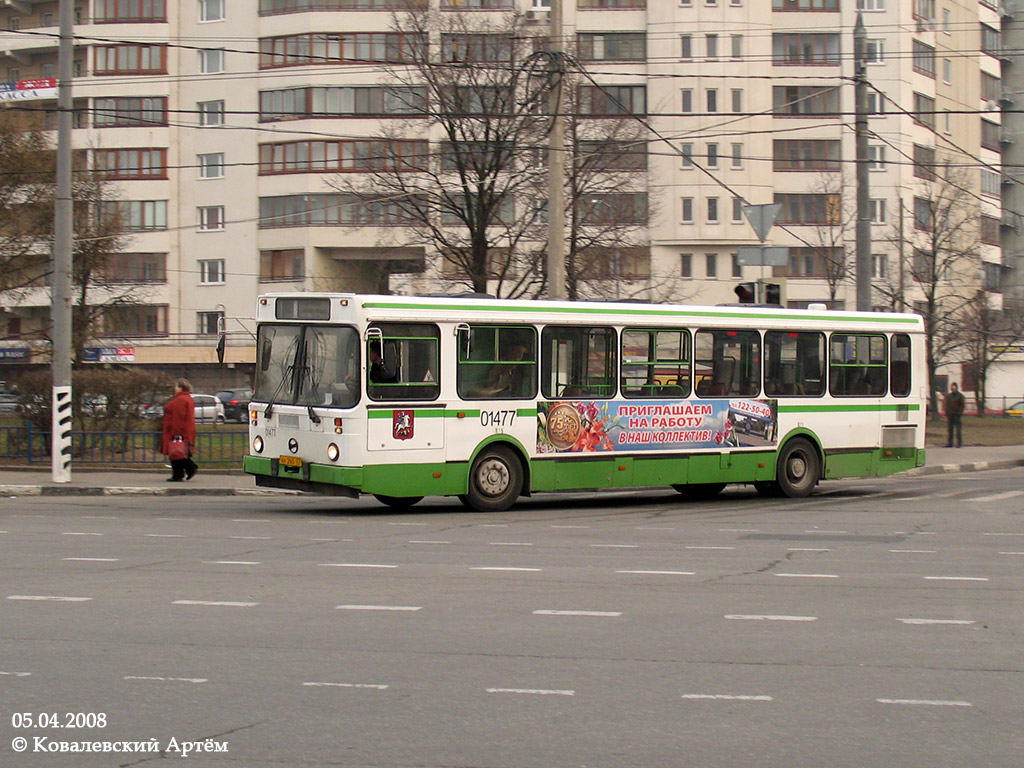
792	362
899	383
578	362
406	366
497	362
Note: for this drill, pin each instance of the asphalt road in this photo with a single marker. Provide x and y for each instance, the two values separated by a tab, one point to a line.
875	624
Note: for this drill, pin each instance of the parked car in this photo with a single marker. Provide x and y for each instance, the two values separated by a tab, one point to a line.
209	409
236	404
1017	409
9	403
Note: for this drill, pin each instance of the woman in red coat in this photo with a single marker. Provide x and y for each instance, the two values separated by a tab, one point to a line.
180	421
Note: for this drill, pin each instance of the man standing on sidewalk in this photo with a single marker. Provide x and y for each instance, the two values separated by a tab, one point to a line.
954	412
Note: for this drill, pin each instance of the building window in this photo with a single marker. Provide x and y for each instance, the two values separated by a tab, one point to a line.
806	155
615	208
131	163
989	230
687	210
924	59
924	162
613	100
809	208
737	47
991	183
281	265
990	133
686	265
211	218
712	155
737	210
613	46
805	101
211	166
991	87
805	5
209	323
332	48
211	61
130	59
924	110
686	42
922	214
687	152
363	155
876	157
342	101
712	210
870	5
874	50
712	99
211	10
114	11
211	271
990	41
687	97
737	155
136	320
712	46
136	268
711	264
878	265
924	9
211	113
947	71
876	104
737	100
737	269
806	49
136	215
876	207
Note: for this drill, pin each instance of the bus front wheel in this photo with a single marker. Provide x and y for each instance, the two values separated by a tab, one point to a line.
397	502
798	469
495	481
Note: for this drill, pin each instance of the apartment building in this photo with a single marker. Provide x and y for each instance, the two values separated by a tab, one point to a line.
223	123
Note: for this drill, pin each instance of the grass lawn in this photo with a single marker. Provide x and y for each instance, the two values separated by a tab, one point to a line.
980	430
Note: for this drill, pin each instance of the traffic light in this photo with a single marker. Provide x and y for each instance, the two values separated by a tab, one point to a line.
746	292
771	293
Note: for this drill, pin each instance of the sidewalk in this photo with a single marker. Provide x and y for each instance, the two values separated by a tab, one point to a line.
152	482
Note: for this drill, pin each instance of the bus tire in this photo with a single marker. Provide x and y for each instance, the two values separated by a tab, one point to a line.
700	490
495	480
798	469
397	502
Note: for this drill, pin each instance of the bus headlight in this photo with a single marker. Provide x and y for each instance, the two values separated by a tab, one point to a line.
333	452
257	444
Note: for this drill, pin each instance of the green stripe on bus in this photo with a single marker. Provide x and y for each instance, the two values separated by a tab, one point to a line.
850	408
641	312
435	413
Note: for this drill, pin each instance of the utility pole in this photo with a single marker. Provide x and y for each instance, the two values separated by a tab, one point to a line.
556	160
863	235
902	301
60	297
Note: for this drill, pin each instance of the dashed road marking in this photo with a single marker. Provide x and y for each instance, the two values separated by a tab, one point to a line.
711	547
415	525
571	527
956	578
79	533
504	568
614	546
532	691
510	544
661	573
601	614
740	530
252	538
250	520
215	603
999	496
364	686
926	702
963	622
1003	534
428	541
231	562
355	565
167	679
808	549
914	551
727	696
91	559
378	607
1011	553
808	575
767	617
165	535
50	598
15	674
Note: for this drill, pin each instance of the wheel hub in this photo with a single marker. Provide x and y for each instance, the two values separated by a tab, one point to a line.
493	478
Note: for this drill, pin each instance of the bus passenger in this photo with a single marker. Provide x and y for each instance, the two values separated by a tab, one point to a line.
381	372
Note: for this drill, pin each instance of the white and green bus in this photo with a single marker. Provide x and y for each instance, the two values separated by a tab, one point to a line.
489	399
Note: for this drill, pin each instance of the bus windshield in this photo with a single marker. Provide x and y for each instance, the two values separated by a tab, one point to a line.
311	365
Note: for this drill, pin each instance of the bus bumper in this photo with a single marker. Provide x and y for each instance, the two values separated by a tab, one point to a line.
314	478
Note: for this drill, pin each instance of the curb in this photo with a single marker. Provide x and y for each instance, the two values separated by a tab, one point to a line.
972	466
80	490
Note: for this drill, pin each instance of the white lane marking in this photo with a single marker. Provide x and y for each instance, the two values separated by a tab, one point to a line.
91	559
50	598
428	541
249	520
662	573
914	551
378	607
493	525
165	535
727	696
504	568
355	565
605	614
231	562
98	517
79	533
808	575
168	679
808	549
711	547
215	603
15	674
936	621
510	544
1011	553
532	691
999	496
252	538
1003	534
615	546
767	617
571	527
956	578
948	494
366	686
926	702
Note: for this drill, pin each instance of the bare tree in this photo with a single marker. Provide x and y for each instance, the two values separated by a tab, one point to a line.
831	239
987	333
941	258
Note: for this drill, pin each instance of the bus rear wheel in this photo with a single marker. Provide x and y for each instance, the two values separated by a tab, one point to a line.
397	502
495	481
798	469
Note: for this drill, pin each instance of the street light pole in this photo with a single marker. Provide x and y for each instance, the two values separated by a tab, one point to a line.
60	304
556	160
863	233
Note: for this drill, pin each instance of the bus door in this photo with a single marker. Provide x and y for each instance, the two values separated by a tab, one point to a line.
858	380
405	421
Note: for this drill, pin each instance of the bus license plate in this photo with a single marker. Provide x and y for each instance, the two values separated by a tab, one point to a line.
290	461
